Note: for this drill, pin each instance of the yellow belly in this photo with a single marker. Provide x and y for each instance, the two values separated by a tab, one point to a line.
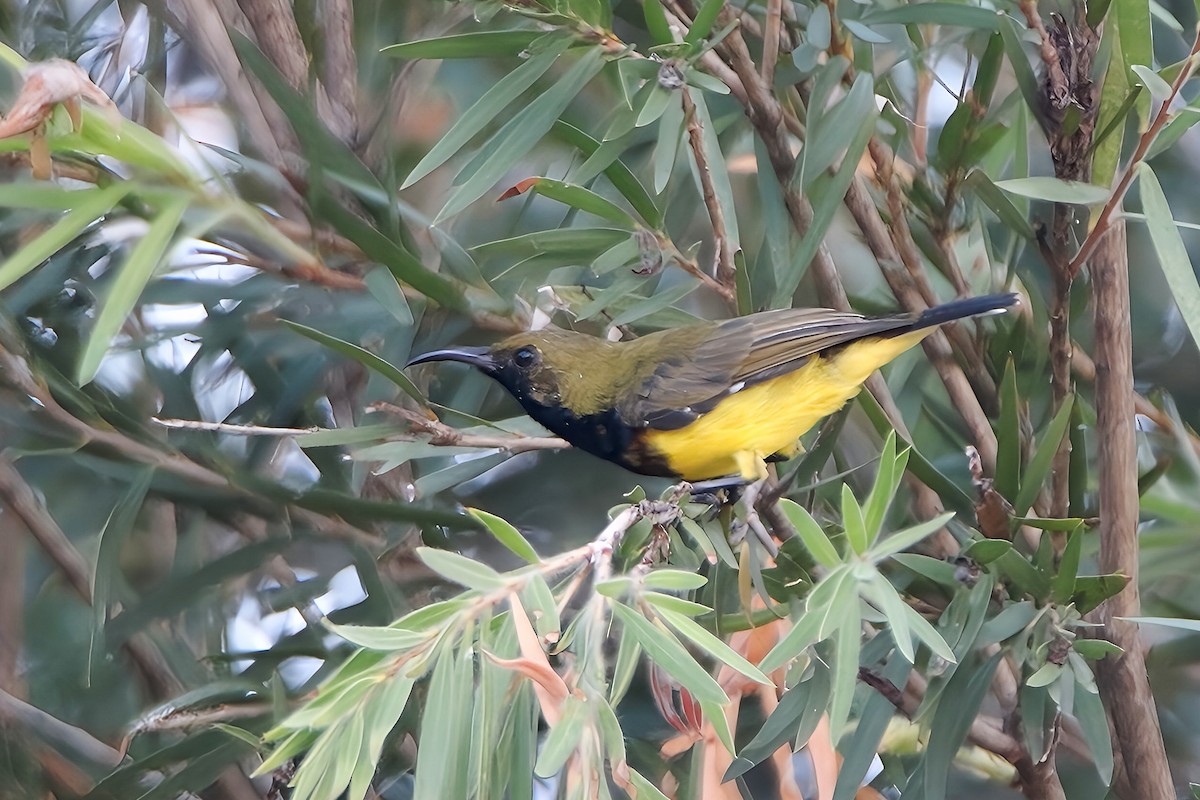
748	426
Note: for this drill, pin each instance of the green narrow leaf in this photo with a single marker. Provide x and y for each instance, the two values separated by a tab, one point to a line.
506	535
619	175
670	134
810	627
444	736
1039	465
701	638
847	648
883	596
1089	710
673	580
955	713
132	277
935	569
1055	190
112	538
676	604
998	202
484	110
887	483
1133	21
811	533
945	14
794	719
653	106
386	638
1063	586
1168	245
665	651
656	22
404	266
852	520
827	193
873	718
645	789
951	494
364	357
928	634
460	569
526	129
582	199
1167	622
1008	435
87	206
1047	674
1159	89
381	715
908	537
703	21
466	45
629	652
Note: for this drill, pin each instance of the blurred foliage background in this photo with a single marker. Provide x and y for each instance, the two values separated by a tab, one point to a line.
226	226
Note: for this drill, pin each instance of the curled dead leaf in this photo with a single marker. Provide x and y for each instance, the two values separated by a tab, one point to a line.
49	84
549	687
993	512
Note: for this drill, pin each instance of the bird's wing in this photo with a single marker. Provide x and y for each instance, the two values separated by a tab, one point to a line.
743	352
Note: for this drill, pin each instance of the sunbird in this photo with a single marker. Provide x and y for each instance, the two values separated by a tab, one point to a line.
706	401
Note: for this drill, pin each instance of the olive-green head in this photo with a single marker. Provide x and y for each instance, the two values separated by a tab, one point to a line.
549	368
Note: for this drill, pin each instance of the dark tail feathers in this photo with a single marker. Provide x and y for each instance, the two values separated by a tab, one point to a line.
969	307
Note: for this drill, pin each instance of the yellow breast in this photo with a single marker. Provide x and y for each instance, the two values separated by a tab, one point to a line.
748	426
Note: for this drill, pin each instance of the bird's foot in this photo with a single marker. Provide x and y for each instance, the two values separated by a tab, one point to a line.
749	502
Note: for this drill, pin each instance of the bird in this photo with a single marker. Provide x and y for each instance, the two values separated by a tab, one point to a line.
709	401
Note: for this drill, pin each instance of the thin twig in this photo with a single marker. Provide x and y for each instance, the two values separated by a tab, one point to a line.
1106	217
16	373
442	435
936	347
234	429
726	269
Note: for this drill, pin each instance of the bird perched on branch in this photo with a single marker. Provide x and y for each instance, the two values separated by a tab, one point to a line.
711	400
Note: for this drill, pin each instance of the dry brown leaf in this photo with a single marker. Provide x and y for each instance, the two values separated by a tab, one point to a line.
549	687
49	84
993	512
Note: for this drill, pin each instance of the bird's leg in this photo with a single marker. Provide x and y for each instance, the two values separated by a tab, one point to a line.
716	492
750	514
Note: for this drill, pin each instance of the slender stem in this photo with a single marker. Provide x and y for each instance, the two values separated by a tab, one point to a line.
726	270
1113	205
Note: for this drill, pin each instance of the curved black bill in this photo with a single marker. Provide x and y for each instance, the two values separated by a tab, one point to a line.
477	357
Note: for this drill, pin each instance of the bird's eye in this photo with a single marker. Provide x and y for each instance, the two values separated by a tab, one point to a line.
525	357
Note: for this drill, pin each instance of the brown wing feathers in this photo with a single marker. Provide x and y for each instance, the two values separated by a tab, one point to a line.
710	363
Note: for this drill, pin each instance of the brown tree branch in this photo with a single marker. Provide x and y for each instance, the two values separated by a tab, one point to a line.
339	66
266	127
1122	678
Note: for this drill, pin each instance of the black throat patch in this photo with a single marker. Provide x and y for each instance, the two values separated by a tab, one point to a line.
603	434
